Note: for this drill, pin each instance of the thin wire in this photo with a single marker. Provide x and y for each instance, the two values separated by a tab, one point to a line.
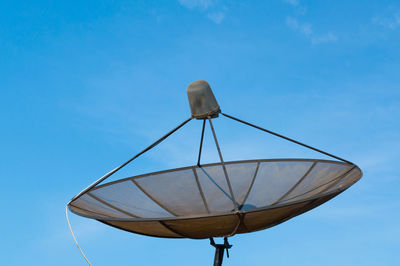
240	218
73	236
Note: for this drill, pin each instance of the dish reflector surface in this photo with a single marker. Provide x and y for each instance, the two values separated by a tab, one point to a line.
195	202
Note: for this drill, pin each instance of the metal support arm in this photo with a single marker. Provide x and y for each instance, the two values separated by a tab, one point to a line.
201	142
101	179
286	138
235	204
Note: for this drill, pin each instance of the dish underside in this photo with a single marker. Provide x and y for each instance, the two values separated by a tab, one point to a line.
196	202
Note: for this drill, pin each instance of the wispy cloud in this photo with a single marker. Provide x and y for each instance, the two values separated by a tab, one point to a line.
389	22
306	30
293	2
204	4
214	12
217	17
328	37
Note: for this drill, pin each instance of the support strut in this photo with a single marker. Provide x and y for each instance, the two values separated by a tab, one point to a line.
286	138
235	204
219	251
201	142
101	179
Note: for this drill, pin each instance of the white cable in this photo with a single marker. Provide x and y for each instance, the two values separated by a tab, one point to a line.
76	242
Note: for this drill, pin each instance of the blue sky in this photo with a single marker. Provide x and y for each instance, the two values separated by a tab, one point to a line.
87	84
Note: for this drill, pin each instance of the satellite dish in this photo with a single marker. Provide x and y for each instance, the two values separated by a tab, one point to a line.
219	199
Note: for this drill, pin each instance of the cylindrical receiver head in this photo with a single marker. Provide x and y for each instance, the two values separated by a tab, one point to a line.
202	100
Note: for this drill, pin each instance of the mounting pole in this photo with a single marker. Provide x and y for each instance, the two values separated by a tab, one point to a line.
219	251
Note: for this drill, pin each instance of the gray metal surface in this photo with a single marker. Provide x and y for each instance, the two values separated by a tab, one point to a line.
195	202
294	180
202	100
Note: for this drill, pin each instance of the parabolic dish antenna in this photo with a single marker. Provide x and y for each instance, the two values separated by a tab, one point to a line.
219	199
